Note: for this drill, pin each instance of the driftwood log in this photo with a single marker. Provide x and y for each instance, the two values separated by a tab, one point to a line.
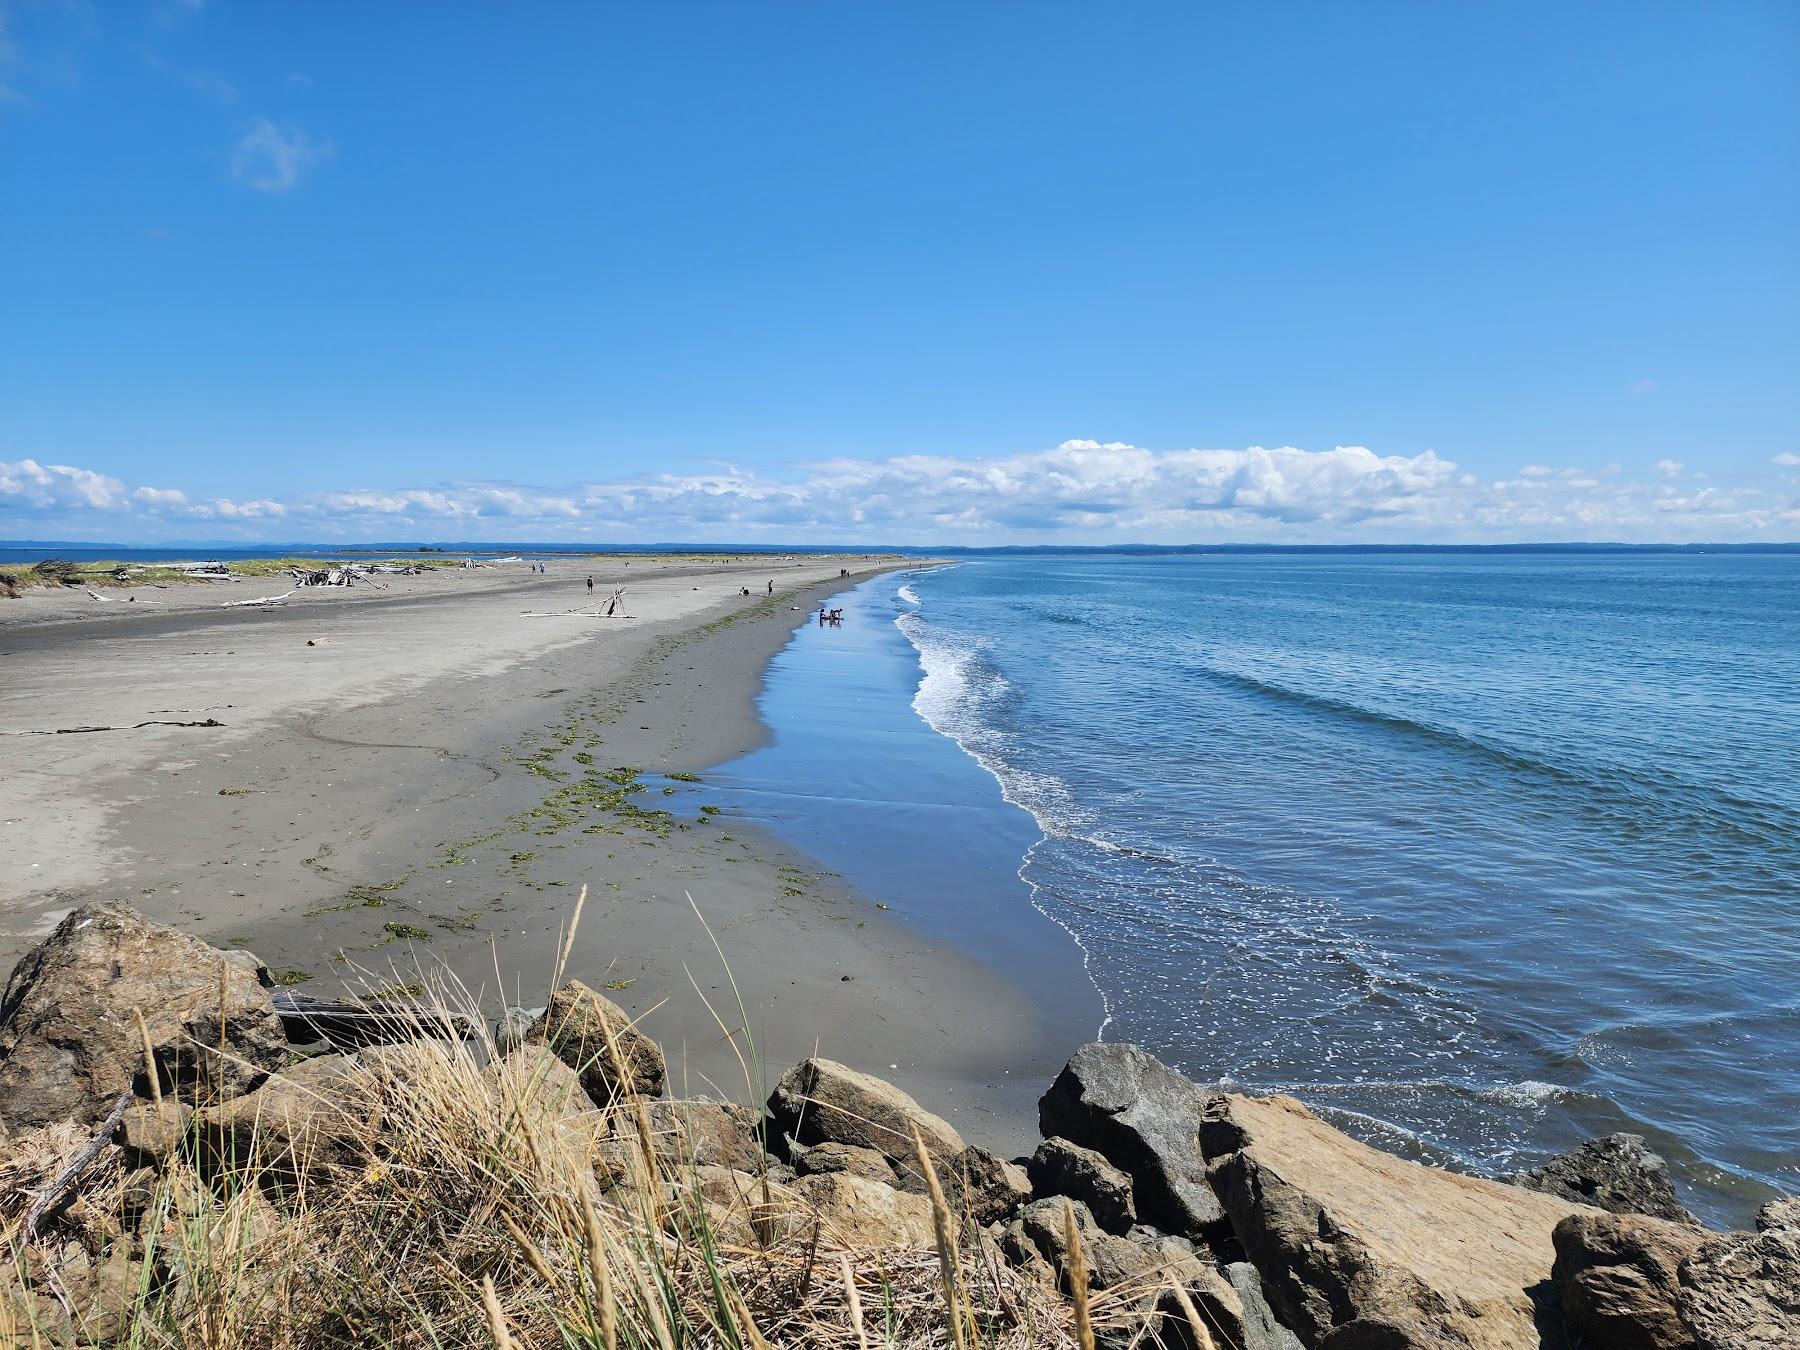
354	1022
260	600
72	1170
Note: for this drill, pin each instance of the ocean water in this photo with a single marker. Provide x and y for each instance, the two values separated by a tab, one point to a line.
1477	855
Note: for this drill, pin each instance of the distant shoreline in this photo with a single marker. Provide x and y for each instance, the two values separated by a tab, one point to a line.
37	548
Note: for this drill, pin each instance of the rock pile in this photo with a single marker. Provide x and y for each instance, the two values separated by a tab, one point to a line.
1202	1218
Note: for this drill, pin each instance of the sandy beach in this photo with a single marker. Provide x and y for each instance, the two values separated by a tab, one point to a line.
429	773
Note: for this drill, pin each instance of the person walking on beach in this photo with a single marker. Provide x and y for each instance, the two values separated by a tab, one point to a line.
590	588
771	588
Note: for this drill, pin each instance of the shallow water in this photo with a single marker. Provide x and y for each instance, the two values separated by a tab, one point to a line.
1478	855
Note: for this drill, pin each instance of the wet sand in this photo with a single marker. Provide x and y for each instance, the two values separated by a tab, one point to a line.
439	774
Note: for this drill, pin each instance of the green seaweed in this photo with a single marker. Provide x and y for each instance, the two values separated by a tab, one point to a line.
399	991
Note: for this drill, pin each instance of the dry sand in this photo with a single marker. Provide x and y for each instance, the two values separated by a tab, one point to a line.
427	783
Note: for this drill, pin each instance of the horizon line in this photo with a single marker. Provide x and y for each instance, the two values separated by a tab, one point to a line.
677	546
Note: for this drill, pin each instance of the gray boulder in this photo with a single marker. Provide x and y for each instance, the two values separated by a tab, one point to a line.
534	1080
596	1037
1142	1312
1143	1117
1062	1168
512	1027
1742	1290
1110	1260
706	1134
975	1181
1616	1172
69	1043
1262	1329
820	1101
307	1117
829	1157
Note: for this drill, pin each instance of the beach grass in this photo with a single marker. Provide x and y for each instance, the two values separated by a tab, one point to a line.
113	574
450	1195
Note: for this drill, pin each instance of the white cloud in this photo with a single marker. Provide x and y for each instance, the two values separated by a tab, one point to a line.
58	486
1641	387
226	509
270	158
1788	458
1082	490
160	496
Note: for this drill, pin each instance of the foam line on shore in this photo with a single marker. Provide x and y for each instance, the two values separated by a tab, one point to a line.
944	692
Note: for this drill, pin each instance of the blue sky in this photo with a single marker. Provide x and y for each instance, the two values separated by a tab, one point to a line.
908	272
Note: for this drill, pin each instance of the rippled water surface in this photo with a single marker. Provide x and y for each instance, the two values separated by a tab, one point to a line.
1480	855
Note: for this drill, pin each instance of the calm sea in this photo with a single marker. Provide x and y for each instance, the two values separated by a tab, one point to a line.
1478	855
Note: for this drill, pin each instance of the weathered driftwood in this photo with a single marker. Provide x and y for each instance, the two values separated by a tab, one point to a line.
353	1022
203	571
260	600
82	731
71	1172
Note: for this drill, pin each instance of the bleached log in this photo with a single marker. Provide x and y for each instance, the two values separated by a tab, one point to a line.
260	600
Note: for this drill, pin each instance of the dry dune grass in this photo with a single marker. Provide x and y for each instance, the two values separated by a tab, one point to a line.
446	1195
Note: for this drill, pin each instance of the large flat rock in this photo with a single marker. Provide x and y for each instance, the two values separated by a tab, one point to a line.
1360	1250
1741	1291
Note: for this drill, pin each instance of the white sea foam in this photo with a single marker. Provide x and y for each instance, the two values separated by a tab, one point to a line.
957	696
955	693
1530	1093
908	594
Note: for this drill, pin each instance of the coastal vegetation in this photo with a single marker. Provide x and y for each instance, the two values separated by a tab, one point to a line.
114	574
407	1170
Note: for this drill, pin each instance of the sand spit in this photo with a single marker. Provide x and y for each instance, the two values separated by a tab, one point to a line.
429	772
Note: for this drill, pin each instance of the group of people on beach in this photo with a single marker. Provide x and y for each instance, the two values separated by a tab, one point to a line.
834	617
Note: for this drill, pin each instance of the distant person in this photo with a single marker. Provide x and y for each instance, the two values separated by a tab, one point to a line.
590	588
821	616
771	588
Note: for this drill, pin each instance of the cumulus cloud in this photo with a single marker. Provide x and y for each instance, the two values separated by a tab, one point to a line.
226	509
272	158
1079	491
160	496
58	486
1788	459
